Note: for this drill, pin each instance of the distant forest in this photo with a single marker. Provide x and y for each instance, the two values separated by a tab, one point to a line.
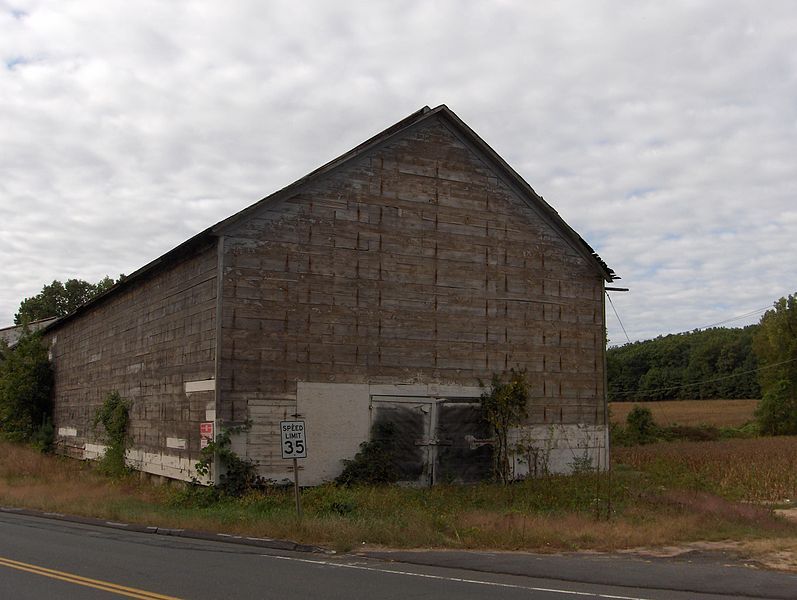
706	364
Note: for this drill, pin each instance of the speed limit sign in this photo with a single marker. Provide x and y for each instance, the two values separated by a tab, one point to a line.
294	443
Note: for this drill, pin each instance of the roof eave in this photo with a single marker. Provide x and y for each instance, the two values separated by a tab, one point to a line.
128	280
608	274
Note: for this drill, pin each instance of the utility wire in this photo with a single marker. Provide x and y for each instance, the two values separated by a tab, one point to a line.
736	318
618	317
685	385
729	320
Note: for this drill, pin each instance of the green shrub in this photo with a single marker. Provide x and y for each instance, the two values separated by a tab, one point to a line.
748	430
44	438
375	462
640	427
641	433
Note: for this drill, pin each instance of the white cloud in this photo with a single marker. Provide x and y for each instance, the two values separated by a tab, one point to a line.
662	132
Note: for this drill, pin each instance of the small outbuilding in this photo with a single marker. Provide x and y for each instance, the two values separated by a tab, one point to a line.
383	287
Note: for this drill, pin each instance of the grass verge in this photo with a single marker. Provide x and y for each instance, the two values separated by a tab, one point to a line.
662	494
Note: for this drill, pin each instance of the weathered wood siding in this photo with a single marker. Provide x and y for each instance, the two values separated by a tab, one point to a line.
145	342
416	263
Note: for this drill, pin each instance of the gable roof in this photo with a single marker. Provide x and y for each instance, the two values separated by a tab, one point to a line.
455	125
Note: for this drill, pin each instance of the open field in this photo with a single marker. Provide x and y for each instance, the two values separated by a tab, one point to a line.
719	413
762	470
661	495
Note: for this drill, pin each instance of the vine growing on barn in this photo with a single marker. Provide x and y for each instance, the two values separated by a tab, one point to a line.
504	407
114	416
237	475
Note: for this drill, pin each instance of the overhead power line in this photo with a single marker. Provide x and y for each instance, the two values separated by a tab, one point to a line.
738	317
728	320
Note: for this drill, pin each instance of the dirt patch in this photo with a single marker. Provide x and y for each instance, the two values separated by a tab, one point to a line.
790	514
716	506
780	554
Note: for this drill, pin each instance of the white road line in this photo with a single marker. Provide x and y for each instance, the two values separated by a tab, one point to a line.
454	579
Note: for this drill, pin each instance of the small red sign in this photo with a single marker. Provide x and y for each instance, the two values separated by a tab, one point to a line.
205	434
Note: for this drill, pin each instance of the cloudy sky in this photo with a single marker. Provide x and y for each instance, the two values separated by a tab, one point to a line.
664	132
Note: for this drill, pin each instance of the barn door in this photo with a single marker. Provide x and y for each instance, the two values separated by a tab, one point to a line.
434	438
459	459
410	419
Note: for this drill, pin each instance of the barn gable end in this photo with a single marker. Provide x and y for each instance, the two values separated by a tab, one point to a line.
414	263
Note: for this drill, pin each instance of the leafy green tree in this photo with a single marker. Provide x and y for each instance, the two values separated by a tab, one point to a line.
777	412
776	347
58	299
26	381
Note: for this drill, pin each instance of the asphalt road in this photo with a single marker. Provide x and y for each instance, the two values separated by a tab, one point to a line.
42	558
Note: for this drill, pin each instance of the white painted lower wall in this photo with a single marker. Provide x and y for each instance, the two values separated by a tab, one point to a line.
160	463
94	451
337	421
157	463
544	449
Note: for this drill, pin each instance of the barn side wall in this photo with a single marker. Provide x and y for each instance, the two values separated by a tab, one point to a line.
415	264
154	343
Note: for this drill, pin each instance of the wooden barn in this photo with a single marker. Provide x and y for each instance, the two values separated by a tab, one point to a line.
382	287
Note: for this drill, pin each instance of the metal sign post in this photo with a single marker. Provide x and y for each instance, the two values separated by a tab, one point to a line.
294	446
296	489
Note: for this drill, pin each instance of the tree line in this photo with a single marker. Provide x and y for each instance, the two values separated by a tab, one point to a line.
706	364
